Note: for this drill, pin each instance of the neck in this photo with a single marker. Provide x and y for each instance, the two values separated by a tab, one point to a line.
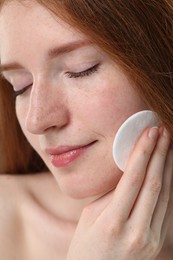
60	208
75	207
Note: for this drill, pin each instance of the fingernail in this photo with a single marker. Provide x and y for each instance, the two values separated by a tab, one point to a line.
153	132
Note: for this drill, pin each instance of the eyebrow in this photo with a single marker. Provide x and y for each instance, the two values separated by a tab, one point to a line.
52	53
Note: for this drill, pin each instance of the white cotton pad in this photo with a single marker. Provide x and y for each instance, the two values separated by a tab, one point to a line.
128	134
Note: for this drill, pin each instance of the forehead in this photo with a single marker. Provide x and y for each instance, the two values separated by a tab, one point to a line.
24	23
17	17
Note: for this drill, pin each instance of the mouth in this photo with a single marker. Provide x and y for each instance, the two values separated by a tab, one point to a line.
62	156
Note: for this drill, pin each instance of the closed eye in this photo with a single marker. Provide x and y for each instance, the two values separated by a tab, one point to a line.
80	74
84	73
21	91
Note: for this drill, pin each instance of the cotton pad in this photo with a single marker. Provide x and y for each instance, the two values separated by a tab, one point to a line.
128	134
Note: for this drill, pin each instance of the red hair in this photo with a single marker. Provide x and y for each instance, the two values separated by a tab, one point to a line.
137	34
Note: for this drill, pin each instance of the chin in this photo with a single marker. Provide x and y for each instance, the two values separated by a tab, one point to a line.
82	190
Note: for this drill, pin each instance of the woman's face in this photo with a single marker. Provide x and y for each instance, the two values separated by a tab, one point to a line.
71	97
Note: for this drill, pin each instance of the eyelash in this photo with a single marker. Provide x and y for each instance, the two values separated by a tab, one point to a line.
21	91
84	73
74	75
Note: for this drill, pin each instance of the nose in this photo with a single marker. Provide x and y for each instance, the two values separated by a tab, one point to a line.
47	109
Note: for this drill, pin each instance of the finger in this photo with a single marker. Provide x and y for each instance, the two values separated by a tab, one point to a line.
163	205
130	183
166	228
168	218
149	194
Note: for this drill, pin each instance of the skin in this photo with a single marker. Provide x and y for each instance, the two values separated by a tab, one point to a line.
51	113
57	109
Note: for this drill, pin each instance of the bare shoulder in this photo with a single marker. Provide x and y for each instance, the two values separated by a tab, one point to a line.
9	217
15	192
23	202
9	194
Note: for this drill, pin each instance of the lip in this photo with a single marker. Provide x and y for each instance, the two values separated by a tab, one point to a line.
62	156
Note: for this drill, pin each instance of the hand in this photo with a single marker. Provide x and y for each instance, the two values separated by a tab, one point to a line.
131	221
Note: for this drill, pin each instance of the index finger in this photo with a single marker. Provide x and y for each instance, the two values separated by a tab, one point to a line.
130	183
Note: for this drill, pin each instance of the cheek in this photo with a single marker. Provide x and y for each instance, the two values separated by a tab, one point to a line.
106	109
21	112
